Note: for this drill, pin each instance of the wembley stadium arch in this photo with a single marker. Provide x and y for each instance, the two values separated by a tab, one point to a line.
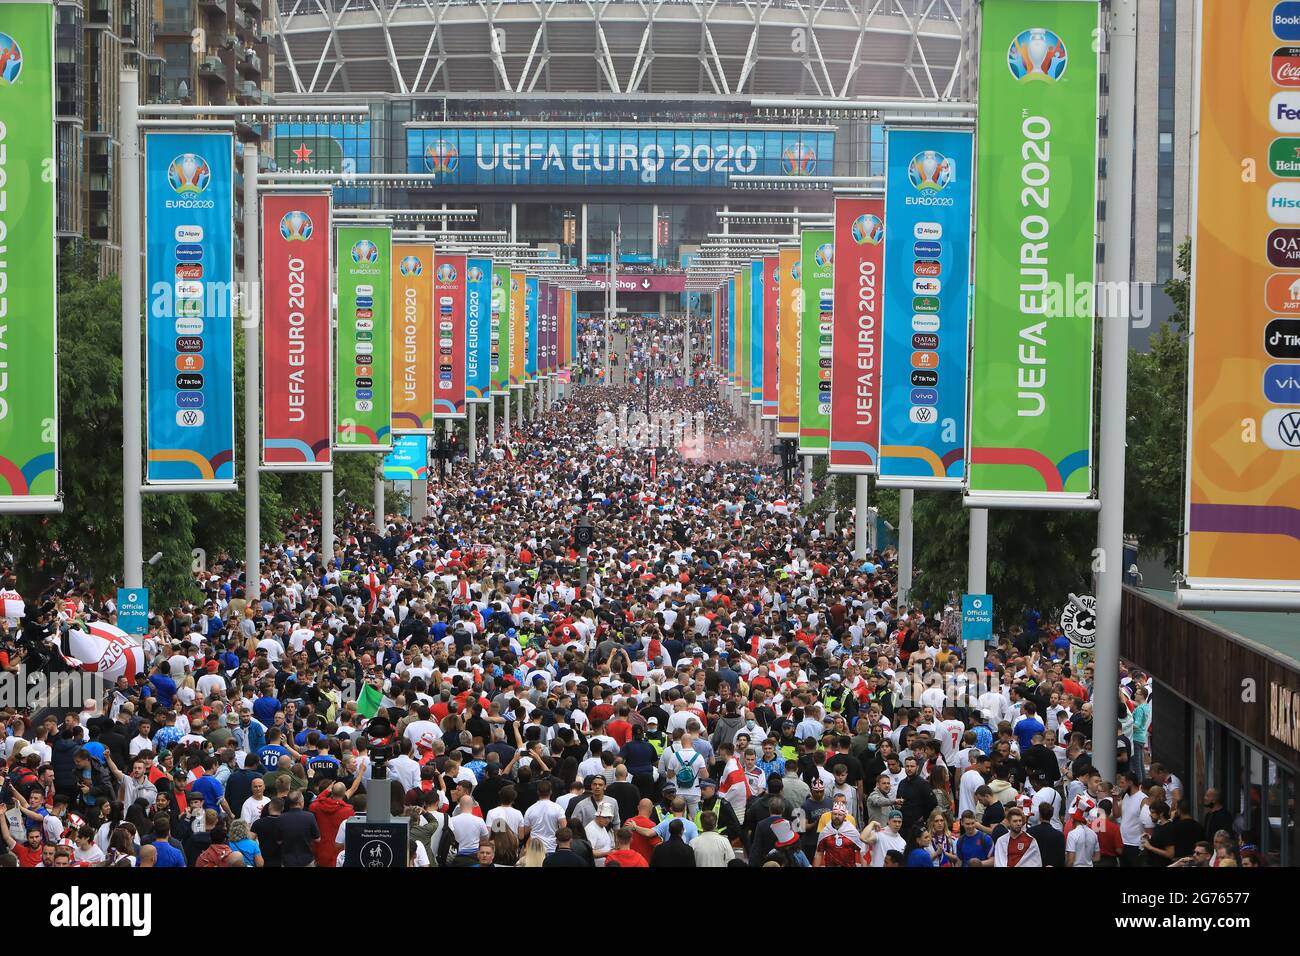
565	121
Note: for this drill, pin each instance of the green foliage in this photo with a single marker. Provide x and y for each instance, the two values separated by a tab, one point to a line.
1157	421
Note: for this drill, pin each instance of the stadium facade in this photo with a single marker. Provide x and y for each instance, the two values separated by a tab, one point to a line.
564	122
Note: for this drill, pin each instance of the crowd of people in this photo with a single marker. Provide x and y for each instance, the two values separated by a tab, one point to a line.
713	681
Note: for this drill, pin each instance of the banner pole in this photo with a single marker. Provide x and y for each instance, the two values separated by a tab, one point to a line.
132	228
807	495
492	420
505	416
860	517
251	300
380	524
1114	385
327	518
977	568
471	410
687	370
906	498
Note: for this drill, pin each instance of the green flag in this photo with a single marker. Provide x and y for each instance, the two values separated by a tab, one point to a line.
368	702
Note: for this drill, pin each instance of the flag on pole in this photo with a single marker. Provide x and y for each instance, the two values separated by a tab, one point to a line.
368	702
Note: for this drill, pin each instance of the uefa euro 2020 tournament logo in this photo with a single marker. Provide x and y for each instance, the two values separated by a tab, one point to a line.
869	229
189	173
496	281
930	169
410	266
441	157
446	272
825	255
11	58
514	285
473	274
1037	54
799	160
365	252
295	226
795	271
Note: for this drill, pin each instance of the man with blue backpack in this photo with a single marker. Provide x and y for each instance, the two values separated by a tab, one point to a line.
686	767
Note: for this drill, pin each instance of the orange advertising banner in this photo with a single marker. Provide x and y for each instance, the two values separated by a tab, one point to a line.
1243	439
412	331
787	381
518	331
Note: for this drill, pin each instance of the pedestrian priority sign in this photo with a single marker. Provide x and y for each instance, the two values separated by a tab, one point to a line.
976	617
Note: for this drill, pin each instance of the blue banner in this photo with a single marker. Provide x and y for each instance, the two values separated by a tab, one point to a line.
530	311
927	254
686	156
408	460
189	254
754	303
133	610
976	617
478	337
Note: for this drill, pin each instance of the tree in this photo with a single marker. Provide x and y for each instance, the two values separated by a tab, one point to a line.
1157	422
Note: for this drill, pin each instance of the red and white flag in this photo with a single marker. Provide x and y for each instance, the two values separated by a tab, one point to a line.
107	650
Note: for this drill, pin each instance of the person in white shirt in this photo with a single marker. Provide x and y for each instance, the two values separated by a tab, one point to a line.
972	780
403	769
882	841
467	829
254	802
600	832
543	819
1082	848
510	818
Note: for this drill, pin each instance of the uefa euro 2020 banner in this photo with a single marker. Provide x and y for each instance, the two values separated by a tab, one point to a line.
771	325
754	300
859	291
927	275
1032	360
412	321
530	323
518	330
296	400
541	154
189	256
449	292
363	389
787	421
731	332
1243	438
500	357
478	318
29	428
816	328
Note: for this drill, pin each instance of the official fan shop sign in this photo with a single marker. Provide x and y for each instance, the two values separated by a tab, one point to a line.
364	258
1032	360
478	331
29	426
189	255
927	270
1243	431
976	617
133	610
296	400
816	328
859	294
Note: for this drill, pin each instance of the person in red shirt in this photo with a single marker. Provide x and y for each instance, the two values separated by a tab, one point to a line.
624	855
29	850
330	810
620	728
642	845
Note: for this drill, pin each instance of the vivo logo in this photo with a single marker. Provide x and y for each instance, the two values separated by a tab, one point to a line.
1282	384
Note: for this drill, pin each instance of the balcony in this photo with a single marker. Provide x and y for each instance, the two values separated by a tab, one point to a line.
214	6
253	6
245	23
250	64
248	94
211	67
177	23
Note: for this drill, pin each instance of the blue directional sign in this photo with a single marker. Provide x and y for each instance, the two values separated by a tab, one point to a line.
133	610
976	617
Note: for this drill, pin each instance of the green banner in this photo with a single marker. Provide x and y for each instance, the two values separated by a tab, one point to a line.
29	475
1031	363
500	370
817	268
365	263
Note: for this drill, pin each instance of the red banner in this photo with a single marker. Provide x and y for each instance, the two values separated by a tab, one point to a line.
449	311
856	335
296	361
771	325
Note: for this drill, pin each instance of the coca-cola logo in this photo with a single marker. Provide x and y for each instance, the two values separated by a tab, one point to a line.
1286	66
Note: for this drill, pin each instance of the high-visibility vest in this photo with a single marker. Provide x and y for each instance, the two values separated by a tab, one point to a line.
658	743
717	801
